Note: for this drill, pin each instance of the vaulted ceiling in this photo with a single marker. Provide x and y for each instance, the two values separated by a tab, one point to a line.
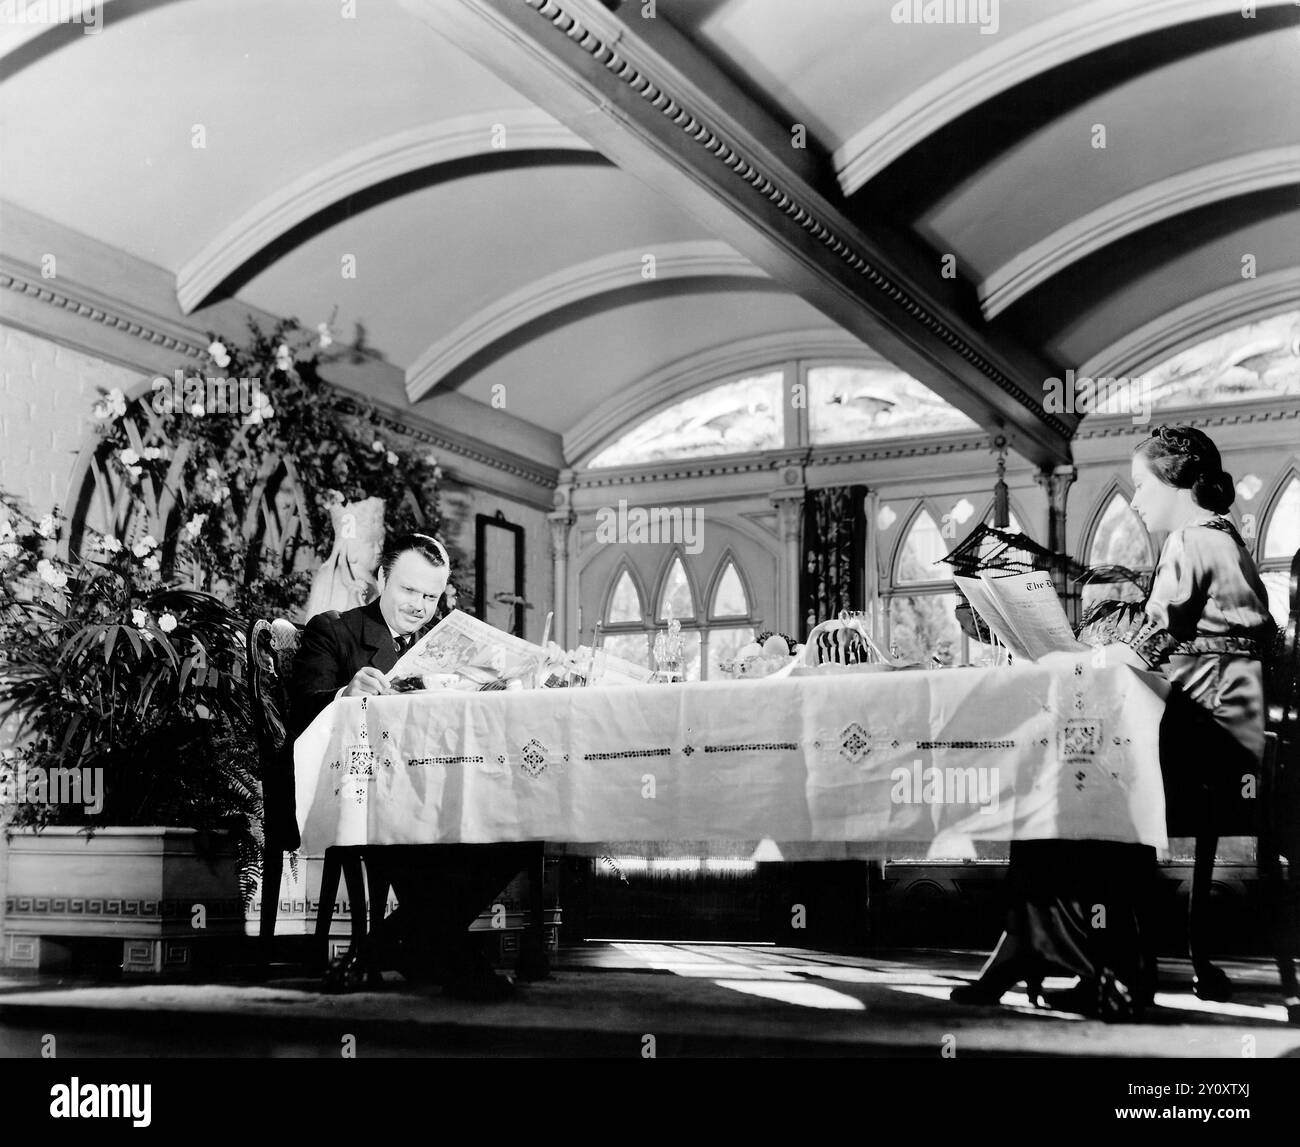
553	205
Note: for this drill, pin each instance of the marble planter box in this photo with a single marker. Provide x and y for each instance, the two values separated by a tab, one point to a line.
161	892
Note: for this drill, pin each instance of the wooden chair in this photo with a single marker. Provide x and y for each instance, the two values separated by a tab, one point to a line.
1279	832
271	649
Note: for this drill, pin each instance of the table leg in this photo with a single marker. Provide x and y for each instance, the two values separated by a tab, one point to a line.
534	962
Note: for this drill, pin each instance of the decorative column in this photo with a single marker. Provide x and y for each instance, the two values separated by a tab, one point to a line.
1056	483
561	520
789	518
871	574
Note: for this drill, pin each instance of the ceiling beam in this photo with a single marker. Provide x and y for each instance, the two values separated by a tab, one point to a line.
646	98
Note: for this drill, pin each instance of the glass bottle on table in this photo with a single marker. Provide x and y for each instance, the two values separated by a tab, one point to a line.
668	651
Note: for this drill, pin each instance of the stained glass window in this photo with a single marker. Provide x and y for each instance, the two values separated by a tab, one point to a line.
733	418
851	404
1259	360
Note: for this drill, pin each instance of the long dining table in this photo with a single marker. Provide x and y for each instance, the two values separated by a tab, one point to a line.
943	757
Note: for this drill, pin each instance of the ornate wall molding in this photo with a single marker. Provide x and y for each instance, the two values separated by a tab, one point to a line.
1043	46
426	432
1229	414
83	302
1194	322
426	146
1131	213
697	259
776	460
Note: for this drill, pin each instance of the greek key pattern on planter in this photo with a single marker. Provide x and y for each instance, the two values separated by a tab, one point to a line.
117	908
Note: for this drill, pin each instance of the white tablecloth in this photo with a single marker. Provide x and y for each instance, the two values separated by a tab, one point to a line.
945	756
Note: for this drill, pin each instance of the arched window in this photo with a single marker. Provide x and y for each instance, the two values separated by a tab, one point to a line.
675	597
920	604
919	555
709	635
624	623
624	602
855	403
841	403
729	596
730	617
1258	360
733	418
1118	539
1281	539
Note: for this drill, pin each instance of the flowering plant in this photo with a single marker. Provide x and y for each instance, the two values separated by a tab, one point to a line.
257	431
104	668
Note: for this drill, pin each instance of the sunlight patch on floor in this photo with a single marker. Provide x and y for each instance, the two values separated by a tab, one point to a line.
1275	1013
771	981
801	993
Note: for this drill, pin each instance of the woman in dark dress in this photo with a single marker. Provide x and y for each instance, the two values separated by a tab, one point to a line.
1205	625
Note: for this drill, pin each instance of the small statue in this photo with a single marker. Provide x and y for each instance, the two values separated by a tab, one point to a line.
347	577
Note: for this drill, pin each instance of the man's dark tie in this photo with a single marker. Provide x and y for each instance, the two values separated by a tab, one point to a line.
403	642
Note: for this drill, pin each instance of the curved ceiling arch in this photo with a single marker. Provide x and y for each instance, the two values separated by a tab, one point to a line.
430	145
679	380
693	260
1194	322
984	75
1152	204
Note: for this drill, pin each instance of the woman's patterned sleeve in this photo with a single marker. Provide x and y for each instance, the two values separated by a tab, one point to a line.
1175	604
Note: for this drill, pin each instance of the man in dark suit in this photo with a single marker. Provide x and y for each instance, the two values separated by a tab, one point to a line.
440	888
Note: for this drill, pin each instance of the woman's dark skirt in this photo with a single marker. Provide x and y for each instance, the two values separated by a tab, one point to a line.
1078	908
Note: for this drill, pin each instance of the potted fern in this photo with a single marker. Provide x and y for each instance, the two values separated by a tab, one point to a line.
129	789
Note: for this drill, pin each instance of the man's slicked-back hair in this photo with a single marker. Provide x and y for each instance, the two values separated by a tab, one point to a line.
427	546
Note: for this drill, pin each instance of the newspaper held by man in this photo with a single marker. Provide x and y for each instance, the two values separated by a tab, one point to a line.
464	653
1023	611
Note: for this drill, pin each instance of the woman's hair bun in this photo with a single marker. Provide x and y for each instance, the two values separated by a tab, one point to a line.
1214	492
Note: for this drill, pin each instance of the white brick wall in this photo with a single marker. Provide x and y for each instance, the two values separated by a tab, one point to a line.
46	395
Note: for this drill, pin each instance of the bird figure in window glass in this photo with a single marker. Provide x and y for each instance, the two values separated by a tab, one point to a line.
870	405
